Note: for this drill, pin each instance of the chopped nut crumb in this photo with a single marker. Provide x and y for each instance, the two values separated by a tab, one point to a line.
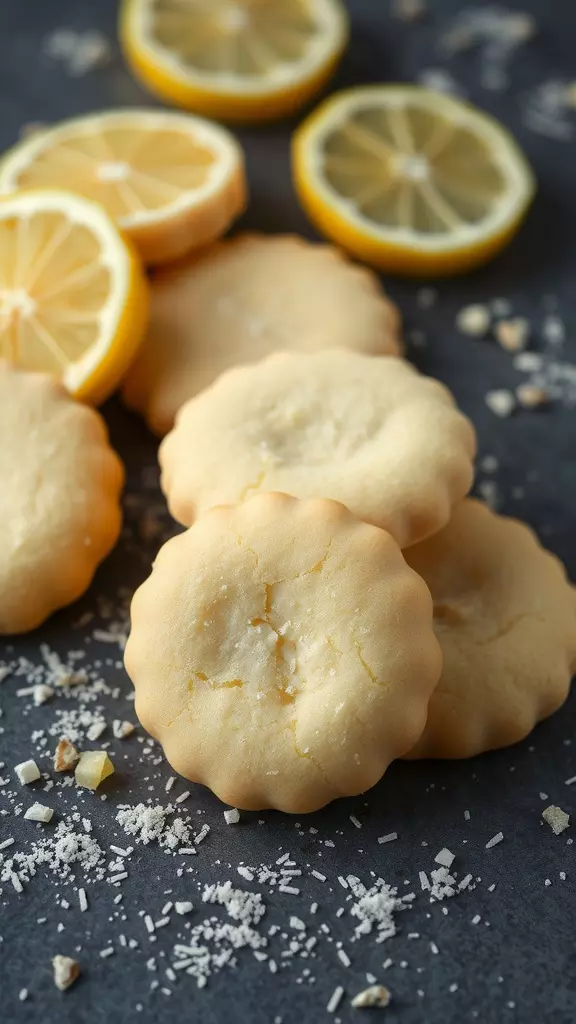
512	334
27	772
409	10
66	970
530	396
474	320
376	995
556	818
39	812
65	756
122	729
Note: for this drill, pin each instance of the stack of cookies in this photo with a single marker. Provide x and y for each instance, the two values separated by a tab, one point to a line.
336	601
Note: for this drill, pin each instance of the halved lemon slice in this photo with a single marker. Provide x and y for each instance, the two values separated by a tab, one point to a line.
73	296
409	180
171	182
250	60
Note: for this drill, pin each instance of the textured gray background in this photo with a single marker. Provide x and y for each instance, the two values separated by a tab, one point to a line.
530	942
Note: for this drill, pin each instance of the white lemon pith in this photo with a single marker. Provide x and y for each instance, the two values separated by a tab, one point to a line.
73	298
172	182
234	59
410	180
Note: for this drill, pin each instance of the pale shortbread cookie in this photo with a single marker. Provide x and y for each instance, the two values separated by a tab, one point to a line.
59	500
283	653
505	616
243	299
369	432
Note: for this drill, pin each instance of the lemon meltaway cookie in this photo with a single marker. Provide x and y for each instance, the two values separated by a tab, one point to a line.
59	501
369	432
283	653
244	298
505	617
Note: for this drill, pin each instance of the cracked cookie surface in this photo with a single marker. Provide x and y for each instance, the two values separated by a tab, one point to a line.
283	653
244	298
60	501
370	432
505	617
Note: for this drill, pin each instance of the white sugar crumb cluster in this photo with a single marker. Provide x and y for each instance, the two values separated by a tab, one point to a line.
152	823
375	908
66	853
77	52
495	33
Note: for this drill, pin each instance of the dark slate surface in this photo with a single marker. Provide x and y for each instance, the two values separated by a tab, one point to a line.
518	965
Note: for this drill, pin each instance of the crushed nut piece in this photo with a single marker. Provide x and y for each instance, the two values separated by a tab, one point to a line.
556	818
531	396
512	334
122	729
27	772
39	812
93	767
409	10
65	756
376	995
474	320
66	970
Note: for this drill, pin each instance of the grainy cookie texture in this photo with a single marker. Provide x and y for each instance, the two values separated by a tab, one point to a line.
247	297
370	432
283	653
505	617
59	509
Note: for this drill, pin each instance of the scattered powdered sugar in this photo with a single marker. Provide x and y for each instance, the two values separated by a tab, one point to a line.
65	853
148	823
375	908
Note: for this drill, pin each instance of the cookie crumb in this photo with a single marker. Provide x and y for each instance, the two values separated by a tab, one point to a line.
501	402
27	772
375	995
556	818
66	970
513	334
474	320
65	756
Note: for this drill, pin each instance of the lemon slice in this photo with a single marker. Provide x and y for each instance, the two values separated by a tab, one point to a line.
171	182
250	60
409	180
73	296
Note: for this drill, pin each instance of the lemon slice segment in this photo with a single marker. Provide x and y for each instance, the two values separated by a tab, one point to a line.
73	296
250	60
409	180
172	182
